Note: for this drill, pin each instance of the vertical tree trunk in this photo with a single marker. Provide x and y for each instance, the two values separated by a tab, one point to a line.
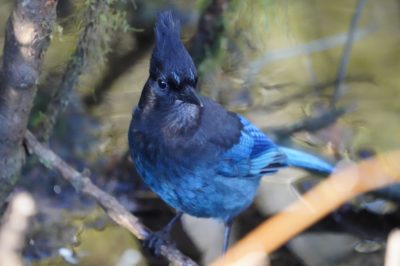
27	37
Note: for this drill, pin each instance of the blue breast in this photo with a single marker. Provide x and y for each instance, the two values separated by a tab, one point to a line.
220	185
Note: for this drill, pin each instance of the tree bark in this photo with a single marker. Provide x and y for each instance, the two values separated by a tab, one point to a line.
26	39
209	29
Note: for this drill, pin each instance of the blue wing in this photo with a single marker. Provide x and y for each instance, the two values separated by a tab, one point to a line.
254	155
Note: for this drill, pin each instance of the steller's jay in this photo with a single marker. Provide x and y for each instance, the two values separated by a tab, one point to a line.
198	157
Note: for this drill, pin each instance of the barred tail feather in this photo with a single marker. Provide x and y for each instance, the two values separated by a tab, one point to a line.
305	160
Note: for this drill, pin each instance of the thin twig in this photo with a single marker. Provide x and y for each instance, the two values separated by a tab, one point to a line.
209	28
344	62
304	49
111	206
118	65
307	90
315	123
311	124
75	67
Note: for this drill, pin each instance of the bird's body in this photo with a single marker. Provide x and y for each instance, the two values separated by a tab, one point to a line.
211	170
198	157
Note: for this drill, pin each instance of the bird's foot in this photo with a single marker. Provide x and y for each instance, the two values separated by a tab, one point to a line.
156	240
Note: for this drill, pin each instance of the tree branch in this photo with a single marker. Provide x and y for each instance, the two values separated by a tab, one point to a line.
26	39
311	124
308	90
303	49
209	28
118	65
75	67
344	62
110	205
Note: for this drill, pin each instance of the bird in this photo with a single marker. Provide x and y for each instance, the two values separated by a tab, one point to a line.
198	157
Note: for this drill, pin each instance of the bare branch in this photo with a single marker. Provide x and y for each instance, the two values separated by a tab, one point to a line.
311	124
27	37
330	116
111	206
209	27
304	49
344	62
308	90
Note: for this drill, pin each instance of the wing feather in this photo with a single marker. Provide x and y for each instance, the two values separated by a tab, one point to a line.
254	155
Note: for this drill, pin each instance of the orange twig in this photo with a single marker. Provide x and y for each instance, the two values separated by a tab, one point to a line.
321	200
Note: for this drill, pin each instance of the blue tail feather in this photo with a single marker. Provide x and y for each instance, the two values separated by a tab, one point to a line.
307	161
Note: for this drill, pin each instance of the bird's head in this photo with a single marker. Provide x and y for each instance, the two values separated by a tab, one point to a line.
173	76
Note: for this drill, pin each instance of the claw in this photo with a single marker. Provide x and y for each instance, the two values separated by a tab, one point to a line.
163	237
156	240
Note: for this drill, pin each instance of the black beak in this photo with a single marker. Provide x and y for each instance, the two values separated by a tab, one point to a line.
189	95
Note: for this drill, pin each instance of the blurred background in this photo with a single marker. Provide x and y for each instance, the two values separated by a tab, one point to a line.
276	62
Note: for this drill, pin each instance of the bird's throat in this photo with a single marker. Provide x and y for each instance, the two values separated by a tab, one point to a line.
181	118
171	118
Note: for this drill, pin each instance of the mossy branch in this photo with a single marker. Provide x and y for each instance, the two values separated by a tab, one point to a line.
101	22
27	38
118	213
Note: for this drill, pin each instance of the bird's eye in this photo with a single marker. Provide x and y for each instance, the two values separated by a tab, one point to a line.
162	84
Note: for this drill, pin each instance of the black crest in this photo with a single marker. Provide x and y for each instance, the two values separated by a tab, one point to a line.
170	57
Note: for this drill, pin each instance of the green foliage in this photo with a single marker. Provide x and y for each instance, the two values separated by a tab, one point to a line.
104	19
246	21
202	4
244	24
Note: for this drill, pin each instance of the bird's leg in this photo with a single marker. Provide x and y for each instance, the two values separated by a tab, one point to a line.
156	239
227	233
167	229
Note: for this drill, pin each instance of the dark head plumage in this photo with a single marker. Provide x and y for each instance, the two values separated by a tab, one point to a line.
173	77
170	58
